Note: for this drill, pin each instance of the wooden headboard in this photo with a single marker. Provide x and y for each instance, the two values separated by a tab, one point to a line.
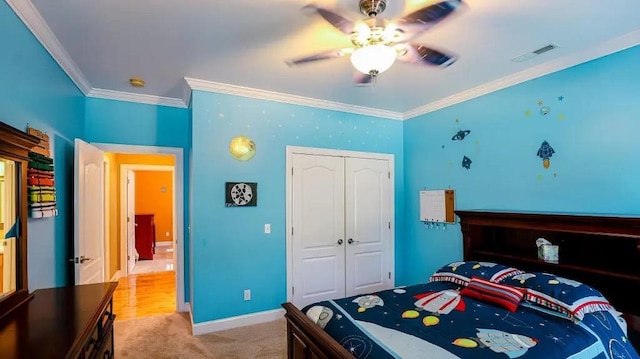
602	251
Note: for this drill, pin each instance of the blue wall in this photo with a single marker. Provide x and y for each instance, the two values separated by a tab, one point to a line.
34	90
594	169
230	251
129	123
593	127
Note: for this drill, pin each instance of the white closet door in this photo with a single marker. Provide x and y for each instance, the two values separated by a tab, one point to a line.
318	229
368	215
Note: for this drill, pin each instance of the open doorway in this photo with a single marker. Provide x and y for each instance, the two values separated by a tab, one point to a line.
145	229
148	217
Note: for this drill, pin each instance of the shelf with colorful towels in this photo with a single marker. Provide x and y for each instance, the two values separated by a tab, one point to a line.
41	186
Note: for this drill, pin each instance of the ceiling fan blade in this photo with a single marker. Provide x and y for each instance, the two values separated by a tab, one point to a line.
430	15
360	79
338	21
332	54
417	54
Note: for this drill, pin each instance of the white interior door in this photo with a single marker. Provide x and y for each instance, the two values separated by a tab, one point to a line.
318	228
368	225
89	213
131	221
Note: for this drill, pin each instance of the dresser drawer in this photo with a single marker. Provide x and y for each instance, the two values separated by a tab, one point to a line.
105	350
99	345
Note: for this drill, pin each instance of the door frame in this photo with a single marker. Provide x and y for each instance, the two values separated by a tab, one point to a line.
106	165
124	240
290	151
123	221
178	205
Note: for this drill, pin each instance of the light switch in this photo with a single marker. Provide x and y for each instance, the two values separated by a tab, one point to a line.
267	228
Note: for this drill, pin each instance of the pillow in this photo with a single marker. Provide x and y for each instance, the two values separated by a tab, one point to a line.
503	295
560	294
461	272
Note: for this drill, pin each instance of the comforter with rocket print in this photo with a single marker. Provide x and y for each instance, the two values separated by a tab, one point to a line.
433	321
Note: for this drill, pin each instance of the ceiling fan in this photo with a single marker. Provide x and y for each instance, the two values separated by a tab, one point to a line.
377	42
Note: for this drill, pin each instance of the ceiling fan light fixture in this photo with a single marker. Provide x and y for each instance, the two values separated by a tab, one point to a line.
373	59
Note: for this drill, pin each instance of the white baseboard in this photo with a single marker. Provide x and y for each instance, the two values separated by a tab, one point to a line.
164	244
235	322
116	276
184	307
188	305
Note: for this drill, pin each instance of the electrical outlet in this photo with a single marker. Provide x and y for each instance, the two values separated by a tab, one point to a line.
166	234
247	294
267	228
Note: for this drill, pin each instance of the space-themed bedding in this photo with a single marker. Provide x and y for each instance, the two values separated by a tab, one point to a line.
434	320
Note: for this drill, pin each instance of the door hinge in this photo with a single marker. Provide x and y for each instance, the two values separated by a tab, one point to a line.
128	257
293	290
292	171
128	219
389	275
389	174
389	225
292	231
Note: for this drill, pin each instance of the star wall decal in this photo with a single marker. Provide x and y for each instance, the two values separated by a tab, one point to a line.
527	113
561	117
560	98
540	103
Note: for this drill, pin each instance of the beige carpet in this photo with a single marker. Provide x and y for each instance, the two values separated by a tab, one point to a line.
169	336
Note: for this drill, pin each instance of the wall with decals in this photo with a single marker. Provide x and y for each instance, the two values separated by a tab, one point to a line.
35	91
230	251
565	142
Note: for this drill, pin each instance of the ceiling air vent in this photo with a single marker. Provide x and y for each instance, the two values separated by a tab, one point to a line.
530	55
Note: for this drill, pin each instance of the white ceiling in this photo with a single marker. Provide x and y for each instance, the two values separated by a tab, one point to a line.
245	43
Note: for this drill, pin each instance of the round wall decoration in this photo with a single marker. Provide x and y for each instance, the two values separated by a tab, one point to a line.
242	148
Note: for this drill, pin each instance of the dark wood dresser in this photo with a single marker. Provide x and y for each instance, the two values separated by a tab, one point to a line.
65	322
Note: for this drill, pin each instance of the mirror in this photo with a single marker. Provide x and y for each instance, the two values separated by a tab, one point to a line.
8	226
14	158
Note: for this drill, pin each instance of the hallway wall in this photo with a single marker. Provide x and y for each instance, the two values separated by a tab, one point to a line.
154	195
114	226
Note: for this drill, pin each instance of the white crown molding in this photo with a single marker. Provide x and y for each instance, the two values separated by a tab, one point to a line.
608	47
210	86
39	28
186	93
136	97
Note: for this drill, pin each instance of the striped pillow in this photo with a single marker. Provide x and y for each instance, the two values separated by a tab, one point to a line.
560	294
503	295
461	272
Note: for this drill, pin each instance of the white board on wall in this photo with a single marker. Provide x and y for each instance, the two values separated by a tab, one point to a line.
437	206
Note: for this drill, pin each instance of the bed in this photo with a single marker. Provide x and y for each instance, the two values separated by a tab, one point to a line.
439	319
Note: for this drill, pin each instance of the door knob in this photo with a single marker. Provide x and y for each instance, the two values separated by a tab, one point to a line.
351	241
340	241
82	259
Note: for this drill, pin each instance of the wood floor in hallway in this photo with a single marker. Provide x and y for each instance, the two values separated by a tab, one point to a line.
144	295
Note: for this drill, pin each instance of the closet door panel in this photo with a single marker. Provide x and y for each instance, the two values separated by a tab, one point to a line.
367	213
318	228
